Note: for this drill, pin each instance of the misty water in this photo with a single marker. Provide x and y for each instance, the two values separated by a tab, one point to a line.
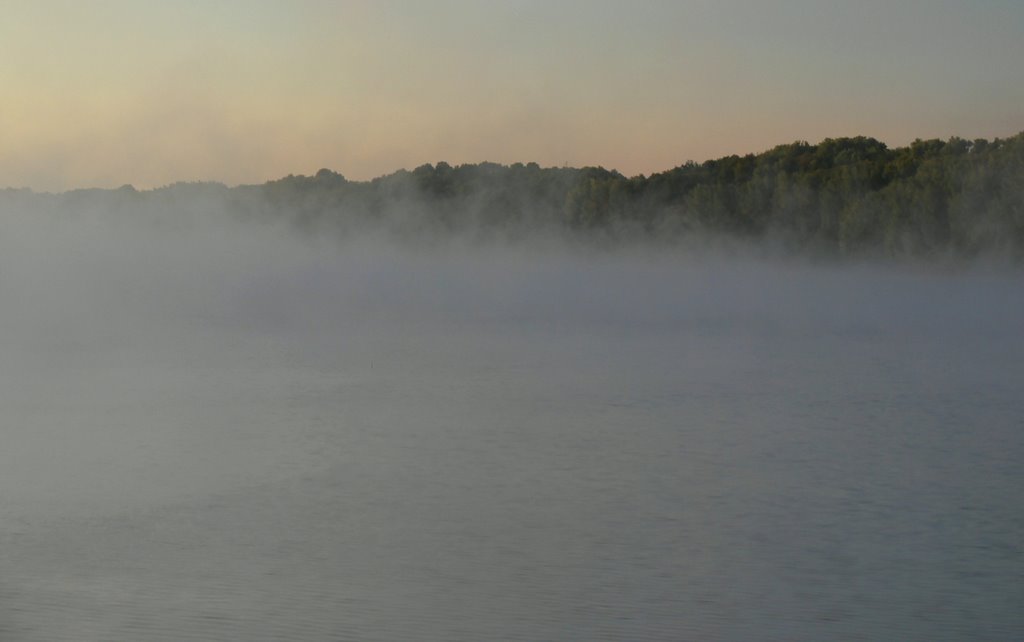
235	432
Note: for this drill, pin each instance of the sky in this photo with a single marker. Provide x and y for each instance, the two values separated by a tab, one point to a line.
105	93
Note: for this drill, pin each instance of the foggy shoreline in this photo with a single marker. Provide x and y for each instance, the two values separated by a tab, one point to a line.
847	199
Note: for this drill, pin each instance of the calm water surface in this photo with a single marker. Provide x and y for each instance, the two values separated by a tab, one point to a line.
559	449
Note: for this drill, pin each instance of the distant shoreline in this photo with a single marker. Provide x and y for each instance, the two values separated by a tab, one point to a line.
841	197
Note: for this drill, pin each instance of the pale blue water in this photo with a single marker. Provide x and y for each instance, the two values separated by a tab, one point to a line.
548	448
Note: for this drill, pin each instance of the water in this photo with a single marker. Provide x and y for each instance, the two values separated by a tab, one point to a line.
314	444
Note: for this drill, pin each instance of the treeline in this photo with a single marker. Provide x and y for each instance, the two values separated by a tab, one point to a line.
845	196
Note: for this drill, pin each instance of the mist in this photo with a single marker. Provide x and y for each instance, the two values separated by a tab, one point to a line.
220	424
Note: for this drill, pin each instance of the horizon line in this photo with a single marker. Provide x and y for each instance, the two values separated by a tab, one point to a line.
129	187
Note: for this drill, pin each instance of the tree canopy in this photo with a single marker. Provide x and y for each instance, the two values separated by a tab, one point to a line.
842	196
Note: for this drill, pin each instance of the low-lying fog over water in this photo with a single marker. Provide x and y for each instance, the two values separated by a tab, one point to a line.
230	431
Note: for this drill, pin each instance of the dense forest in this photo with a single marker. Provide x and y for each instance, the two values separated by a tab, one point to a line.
844	196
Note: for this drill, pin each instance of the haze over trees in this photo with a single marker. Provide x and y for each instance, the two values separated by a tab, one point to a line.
843	196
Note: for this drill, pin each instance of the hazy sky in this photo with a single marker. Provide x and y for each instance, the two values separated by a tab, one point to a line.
148	93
